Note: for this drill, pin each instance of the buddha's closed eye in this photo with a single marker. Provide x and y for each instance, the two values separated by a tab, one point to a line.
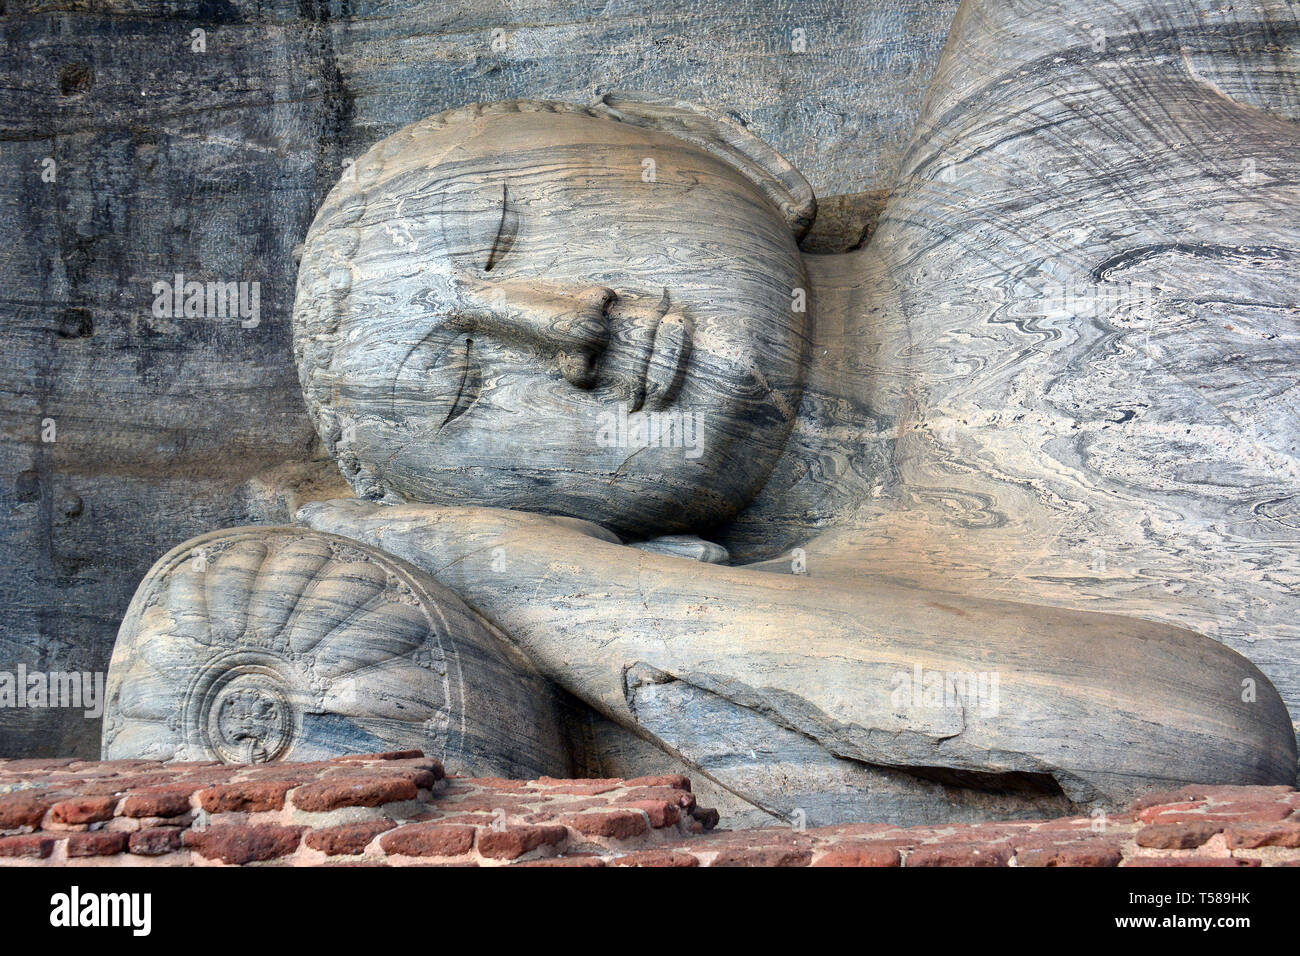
442	372
457	364
479	225
507	229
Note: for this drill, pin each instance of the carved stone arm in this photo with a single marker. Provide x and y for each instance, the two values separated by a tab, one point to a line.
1105	705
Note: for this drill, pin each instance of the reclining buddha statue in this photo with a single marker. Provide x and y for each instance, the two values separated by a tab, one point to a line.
925	530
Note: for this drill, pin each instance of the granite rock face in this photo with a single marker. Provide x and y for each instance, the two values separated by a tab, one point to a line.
133	152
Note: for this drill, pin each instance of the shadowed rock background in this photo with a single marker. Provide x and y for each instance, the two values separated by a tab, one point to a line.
211	164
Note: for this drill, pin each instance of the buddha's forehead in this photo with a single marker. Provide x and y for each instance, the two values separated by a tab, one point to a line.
523	144
551	162
521	131
576	196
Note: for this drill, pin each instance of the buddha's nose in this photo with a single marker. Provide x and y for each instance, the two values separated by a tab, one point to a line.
570	324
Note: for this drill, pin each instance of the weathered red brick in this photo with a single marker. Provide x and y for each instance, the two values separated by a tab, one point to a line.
466	819
302	772
107	787
352	792
1177	836
1150	813
1199	793
1082	853
576	860
581	787
1257	811
744	839
547	812
1212	815
246	796
661	812
423	778
1250	817
155	841
678	798
37	845
21	810
491	783
1189	861
1248	836
209	775
96	843
961	854
76	810
428	839
31	764
764	856
347	838
1042	839
435	771
850	830
1155	798
232	843
1229	792
1079	824
613	824
141	781
114	766
165	801
860	854
491	803
513	842
656	858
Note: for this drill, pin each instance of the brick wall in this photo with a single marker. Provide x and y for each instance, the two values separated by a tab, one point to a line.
400	809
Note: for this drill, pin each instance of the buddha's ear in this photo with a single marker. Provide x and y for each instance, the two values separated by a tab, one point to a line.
726	139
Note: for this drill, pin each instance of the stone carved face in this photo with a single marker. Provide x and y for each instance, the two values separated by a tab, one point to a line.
550	309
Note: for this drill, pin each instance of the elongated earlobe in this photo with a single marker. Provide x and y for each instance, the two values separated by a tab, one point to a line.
726	139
